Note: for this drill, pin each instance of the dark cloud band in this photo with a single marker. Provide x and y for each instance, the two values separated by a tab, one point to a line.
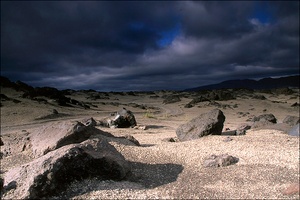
147	45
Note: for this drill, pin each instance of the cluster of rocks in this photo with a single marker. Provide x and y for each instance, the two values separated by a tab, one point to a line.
212	123
228	94
214	95
68	151
97	95
52	93
37	93
3	97
284	91
240	130
171	99
221	106
18	85
64	152
289	123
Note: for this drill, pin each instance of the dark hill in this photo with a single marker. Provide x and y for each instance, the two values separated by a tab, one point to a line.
265	83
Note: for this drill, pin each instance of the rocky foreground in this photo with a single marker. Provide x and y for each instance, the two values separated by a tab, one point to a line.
220	144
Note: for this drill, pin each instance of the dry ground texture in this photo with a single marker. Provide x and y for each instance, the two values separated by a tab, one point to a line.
268	158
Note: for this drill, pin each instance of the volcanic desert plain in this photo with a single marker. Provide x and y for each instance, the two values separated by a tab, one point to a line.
161	166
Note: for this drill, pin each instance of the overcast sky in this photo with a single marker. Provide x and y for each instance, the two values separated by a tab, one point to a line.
144	45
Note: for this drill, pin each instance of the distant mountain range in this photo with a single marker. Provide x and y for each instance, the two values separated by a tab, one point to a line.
265	83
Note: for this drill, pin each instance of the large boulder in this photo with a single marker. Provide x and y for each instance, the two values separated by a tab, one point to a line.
121	119
124	119
263	120
51	173
210	123
55	135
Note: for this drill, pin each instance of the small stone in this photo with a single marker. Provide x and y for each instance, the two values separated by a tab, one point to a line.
242	128
140	127
50	176
227	139
173	139
220	160
89	122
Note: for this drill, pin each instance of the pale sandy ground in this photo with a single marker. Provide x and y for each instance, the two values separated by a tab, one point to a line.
268	158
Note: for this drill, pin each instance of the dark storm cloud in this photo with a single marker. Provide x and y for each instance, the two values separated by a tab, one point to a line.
216	19
147	45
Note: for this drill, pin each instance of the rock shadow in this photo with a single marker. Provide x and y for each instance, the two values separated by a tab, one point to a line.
147	145
142	176
154	175
154	127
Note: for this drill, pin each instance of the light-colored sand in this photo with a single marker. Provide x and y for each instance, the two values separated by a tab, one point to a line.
268	158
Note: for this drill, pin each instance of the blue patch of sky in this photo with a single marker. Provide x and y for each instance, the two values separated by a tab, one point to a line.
263	12
167	36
